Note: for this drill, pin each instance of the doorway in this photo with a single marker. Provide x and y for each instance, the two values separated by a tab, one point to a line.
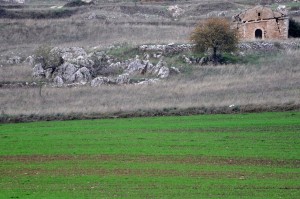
258	34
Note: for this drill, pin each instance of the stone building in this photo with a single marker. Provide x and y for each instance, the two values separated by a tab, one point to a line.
262	22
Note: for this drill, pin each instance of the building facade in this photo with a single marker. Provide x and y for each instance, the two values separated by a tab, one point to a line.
262	22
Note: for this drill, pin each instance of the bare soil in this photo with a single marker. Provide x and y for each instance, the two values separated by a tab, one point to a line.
167	159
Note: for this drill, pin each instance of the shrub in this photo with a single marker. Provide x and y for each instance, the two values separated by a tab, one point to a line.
47	57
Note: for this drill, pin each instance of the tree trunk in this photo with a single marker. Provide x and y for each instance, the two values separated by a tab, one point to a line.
215	58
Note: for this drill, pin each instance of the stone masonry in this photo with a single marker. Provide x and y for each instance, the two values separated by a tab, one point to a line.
262	22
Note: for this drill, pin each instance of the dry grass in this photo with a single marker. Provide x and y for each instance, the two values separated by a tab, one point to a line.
30	33
15	73
275	81
114	24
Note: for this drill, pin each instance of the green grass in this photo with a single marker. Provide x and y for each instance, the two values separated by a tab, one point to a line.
205	156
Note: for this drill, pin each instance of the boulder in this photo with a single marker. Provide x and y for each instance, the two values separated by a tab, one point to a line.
30	60
163	72
83	75
84	61
112	69
148	82
174	71
135	66
48	73
67	72
187	59
38	71
98	81
156	68
123	79
58	81
203	60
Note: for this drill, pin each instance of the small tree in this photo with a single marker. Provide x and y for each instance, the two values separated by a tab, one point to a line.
214	34
47	57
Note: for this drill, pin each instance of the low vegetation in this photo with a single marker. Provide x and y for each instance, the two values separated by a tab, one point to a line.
269	81
211	156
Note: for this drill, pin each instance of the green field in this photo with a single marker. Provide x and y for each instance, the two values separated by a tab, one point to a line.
205	156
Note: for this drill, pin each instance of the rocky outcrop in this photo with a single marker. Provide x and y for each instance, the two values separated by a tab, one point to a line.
163	72
123	79
78	67
98	81
38	71
149	81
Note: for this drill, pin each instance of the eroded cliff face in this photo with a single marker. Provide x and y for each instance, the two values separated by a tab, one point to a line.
262	22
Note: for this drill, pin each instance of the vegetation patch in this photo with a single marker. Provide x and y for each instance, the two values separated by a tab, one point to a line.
36	14
174	157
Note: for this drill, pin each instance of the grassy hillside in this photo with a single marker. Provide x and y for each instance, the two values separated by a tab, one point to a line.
266	81
228	156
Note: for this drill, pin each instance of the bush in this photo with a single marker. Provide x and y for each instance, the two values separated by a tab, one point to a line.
47	57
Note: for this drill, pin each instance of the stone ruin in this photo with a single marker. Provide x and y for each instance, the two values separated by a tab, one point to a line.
262	22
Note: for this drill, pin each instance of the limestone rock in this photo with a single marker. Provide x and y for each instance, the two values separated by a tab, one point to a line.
135	66
174	70
84	61
38	71
163	72
67	72
58	81
148	82
70	54
98	81
30	60
48	73
123	79
83	75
